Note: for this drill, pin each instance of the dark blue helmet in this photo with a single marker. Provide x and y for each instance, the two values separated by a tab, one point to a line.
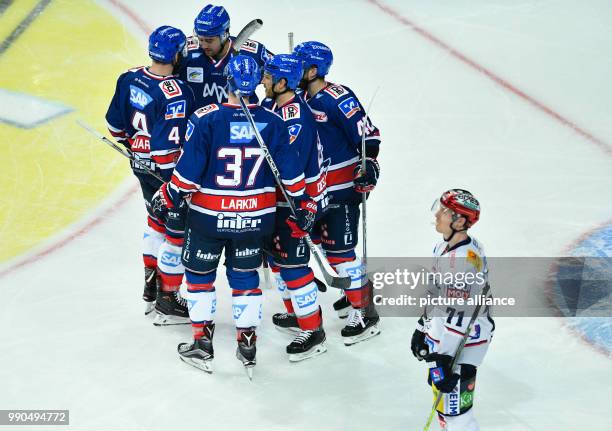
287	66
243	75
212	21
315	54
165	42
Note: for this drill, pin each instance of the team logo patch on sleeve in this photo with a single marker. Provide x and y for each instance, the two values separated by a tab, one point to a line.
250	46
195	74
294	131
474	259
176	110
291	111
206	110
319	116
139	98
189	131
335	91
349	107
170	88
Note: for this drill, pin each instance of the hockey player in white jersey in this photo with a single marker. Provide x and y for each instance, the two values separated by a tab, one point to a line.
458	258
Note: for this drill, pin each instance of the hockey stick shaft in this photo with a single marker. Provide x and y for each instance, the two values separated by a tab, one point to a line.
246	32
331	277
117	148
466	335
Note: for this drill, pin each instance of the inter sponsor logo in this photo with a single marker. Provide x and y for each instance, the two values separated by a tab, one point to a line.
207	256
237	223
247	252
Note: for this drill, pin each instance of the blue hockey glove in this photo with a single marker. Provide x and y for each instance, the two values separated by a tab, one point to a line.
302	223
366	181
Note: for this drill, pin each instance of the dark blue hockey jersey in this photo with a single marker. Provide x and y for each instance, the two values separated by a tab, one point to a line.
224	170
304	139
340	116
205	75
151	113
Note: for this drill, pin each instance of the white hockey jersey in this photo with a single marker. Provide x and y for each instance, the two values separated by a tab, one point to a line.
458	272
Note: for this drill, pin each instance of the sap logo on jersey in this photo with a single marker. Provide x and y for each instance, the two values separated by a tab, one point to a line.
307	299
138	98
349	107
238	309
171	259
176	110
241	132
195	74
294	131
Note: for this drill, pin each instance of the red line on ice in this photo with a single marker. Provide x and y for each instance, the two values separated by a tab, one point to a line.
489	74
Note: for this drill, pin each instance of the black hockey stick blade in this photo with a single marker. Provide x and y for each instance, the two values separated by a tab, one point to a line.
246	32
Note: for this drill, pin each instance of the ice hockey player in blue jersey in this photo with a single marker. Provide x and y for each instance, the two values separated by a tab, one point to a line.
209	51
441	328
290	253
148	114
340	119
232	205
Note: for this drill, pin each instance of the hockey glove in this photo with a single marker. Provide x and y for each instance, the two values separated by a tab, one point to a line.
418	345
366	181
442	375
303	221
160	202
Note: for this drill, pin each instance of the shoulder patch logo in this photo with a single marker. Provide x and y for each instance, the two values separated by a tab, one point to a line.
349	107
206	110
170	88
319	116
335	91
473	258
294	131
176	110
195	74
291	111
250	46
189	131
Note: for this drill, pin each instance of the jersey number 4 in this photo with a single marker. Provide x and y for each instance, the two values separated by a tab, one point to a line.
234	165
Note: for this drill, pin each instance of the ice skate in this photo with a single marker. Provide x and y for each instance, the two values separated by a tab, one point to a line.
171	309
361	325
200	353
306	345
342	306
246	350
286	322
149	294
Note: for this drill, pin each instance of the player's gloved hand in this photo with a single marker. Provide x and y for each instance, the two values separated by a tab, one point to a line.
366	181
303	221
445	380
160	202
418	345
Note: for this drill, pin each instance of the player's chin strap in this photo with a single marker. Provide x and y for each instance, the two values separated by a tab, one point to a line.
455	218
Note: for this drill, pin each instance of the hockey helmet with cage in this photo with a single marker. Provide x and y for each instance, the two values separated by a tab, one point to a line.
212	21
315	54
286	66
462	203
165	42
243	75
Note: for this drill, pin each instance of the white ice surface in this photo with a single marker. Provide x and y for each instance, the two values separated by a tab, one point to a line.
72	331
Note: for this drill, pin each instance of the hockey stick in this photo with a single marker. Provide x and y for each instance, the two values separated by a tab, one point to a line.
245	33
331	277
117	148
466	335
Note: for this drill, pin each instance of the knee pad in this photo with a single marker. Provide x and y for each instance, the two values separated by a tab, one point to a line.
199	292
247	303
303	290
170	265
152	240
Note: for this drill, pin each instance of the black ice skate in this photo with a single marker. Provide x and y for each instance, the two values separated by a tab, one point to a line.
246	350
362	324
171	309
200	353
307	345
286	322
150	289
342	307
